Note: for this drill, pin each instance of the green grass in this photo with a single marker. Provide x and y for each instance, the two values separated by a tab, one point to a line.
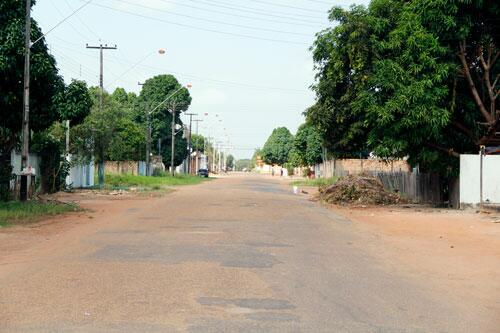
15	211
314	182
154	183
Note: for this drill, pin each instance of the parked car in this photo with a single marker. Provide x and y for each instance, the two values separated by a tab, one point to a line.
203	173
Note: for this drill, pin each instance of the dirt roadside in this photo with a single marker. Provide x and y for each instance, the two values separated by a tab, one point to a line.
20	241
455	250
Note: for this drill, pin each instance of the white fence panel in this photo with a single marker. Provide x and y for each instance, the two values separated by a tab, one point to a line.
470	175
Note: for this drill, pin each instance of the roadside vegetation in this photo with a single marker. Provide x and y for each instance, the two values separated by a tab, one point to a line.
22	212
315	182
144	183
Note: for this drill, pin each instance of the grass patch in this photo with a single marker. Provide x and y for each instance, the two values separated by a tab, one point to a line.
154	183
15	211
315	182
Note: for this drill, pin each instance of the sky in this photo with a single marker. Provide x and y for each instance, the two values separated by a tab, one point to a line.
248	61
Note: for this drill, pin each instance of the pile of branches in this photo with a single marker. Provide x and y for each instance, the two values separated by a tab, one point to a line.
358	189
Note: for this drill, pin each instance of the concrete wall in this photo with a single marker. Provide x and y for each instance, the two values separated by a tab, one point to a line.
121	167
353	166
80	175
469	179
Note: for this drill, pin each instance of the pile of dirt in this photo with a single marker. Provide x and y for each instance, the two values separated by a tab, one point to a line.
358	189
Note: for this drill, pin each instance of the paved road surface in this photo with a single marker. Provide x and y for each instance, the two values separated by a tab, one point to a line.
238	254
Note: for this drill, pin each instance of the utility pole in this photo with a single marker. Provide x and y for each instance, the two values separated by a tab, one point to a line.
148	137
172	151
214	154
101	48
197	121
23	195
189	138
220	158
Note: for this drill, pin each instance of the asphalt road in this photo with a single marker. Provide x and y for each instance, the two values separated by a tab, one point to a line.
237	254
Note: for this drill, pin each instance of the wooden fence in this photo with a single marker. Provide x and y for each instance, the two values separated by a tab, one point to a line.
395	175
417	187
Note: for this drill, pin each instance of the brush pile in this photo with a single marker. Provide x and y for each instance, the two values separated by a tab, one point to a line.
358	189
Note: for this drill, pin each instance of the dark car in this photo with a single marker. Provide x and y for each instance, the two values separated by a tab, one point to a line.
203	173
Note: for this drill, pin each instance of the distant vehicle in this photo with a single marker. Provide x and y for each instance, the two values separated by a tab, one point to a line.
203	173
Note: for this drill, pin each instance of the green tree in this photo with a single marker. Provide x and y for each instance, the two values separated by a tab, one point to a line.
241	164
278	146
389	80
307	147
198	142
74	102
92	139
45	84
154	91
230	161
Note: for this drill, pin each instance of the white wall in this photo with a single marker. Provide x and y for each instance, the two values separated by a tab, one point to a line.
15	162
469	179
80	175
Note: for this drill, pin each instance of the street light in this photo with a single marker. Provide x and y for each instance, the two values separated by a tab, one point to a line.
172	169
148	130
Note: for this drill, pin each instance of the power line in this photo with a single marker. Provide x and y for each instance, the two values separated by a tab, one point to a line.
69	23
131	68
215	21
61	22
202	29
295	23
81	67
226	5
287	6
83	23
222	82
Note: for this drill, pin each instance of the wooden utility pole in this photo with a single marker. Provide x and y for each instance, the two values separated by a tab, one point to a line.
101	48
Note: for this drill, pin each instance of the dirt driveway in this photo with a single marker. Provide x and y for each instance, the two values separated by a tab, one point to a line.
244	254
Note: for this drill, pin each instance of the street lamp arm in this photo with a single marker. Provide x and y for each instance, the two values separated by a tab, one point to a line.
166	99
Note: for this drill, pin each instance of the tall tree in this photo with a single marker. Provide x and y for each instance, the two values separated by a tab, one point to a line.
408	78
230	161
278	146
154	91
307	146
45	83
198	142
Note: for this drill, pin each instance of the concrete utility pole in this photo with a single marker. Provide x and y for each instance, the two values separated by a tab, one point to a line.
148	137
220	159
172	151
23	195
189	138
214	152
197	121
101	48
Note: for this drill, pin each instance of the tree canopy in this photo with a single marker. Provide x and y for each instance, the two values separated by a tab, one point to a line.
278	146
393	79
154	91
307	147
